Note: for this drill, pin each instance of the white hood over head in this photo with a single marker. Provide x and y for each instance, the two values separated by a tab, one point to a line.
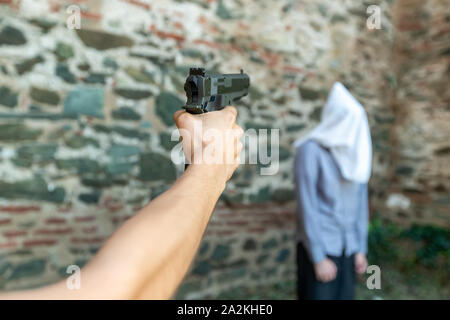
344	130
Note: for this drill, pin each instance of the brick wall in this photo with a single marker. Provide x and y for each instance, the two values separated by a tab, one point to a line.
85	121
244	245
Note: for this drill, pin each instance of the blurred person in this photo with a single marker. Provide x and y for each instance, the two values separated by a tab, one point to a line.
332	167
148	256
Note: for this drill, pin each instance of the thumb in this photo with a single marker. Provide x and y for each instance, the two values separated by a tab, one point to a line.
182	118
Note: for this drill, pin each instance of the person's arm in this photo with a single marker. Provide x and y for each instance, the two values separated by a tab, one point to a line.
362	230
306	175
362	223
148	256
306	179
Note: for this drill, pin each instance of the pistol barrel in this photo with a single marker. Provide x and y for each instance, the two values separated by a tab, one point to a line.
209	91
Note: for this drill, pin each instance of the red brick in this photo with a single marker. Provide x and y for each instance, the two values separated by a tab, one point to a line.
91	15
169	35
409	26
254	46
243	26
202	19
41	242
114	207
8	245
292	85
59	231
271	59
5	221
12	3
178	25
85	219
14	233
294	69
207	43
213	29
141	4
236	48
178	14
54	6
55	221
19	209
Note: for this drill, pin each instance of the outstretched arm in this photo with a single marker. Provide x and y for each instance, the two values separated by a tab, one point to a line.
148	256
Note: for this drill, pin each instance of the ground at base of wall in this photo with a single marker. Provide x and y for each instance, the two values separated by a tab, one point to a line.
395	285
279	291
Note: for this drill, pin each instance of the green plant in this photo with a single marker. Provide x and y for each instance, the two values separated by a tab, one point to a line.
380	241
435	243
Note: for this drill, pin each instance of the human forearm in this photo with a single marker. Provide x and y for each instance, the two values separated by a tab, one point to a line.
168	239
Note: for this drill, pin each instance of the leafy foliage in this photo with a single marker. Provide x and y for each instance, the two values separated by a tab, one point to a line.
435	243
381	237
417	246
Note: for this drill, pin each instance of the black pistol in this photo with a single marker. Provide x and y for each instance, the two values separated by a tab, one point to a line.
210	91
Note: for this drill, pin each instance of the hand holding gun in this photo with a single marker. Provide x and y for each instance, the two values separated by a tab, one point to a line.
210	91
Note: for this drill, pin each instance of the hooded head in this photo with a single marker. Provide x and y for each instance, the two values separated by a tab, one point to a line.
344	130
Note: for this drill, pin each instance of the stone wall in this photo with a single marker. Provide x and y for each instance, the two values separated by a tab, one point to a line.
86	118
420	184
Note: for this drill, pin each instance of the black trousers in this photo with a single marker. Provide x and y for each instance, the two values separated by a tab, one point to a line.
341	288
